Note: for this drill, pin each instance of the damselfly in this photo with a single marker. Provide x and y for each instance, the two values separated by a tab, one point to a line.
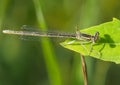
78	35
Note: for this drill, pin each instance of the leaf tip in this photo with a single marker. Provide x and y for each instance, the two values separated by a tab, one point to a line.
115	19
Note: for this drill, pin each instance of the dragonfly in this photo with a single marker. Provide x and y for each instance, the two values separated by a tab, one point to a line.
78	35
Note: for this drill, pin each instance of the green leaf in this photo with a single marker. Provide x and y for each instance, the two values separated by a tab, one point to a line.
108	46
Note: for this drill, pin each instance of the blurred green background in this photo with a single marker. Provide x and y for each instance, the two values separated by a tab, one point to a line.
45	62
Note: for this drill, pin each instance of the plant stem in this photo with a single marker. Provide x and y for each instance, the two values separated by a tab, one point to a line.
84	69
52	65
